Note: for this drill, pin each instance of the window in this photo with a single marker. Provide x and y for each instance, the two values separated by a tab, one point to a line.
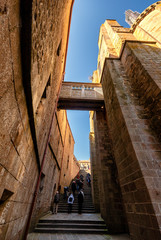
5	195
69	139
68	162
44	95
42	182
59	48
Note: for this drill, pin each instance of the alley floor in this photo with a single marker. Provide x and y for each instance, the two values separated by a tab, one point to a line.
74	236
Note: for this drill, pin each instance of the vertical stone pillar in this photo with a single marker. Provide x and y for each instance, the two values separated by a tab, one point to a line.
109	191
136	150
94	169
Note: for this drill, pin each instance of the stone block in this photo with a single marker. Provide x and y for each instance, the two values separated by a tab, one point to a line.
5	56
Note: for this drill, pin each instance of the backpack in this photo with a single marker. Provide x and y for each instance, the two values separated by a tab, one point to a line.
70	199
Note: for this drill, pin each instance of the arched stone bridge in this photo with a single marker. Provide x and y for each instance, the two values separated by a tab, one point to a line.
81	96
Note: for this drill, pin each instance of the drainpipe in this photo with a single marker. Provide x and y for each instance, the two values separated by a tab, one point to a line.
55	108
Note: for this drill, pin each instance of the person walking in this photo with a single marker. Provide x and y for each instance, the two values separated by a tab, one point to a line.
70	202
80	185
73	187
56	202
77	184
66	189
80	201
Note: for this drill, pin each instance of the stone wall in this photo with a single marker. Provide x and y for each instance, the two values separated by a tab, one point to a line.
32	61
69	164
110	198
60	166
131	89
49	38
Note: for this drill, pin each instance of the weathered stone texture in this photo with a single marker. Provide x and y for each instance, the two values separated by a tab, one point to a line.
69	165
147	26
60	166
145	79
93	158
49	37
109	191
134	162
131	86
94	174
18	164
16	149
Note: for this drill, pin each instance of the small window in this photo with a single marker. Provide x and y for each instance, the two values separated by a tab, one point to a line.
69	139
68	162
5	196
59	48
42	182
44	95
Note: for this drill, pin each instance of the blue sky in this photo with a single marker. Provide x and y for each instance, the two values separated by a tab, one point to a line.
87	17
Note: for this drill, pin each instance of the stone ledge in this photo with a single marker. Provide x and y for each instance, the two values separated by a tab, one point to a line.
123	47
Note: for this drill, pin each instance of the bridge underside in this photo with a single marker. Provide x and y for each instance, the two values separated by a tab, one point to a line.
81	104
81	96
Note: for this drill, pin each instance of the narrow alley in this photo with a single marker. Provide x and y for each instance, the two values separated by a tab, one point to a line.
114	75
72	226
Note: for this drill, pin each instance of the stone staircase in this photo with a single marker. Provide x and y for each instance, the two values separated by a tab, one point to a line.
87	205
88	222
71	226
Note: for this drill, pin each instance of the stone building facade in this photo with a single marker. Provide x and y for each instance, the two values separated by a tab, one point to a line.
125	139
60	167
34	137
85	165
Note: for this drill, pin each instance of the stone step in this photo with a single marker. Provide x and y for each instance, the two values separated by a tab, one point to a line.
86	196
75	207
75	211
71	230
71	221
76	204
68	225
76	200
